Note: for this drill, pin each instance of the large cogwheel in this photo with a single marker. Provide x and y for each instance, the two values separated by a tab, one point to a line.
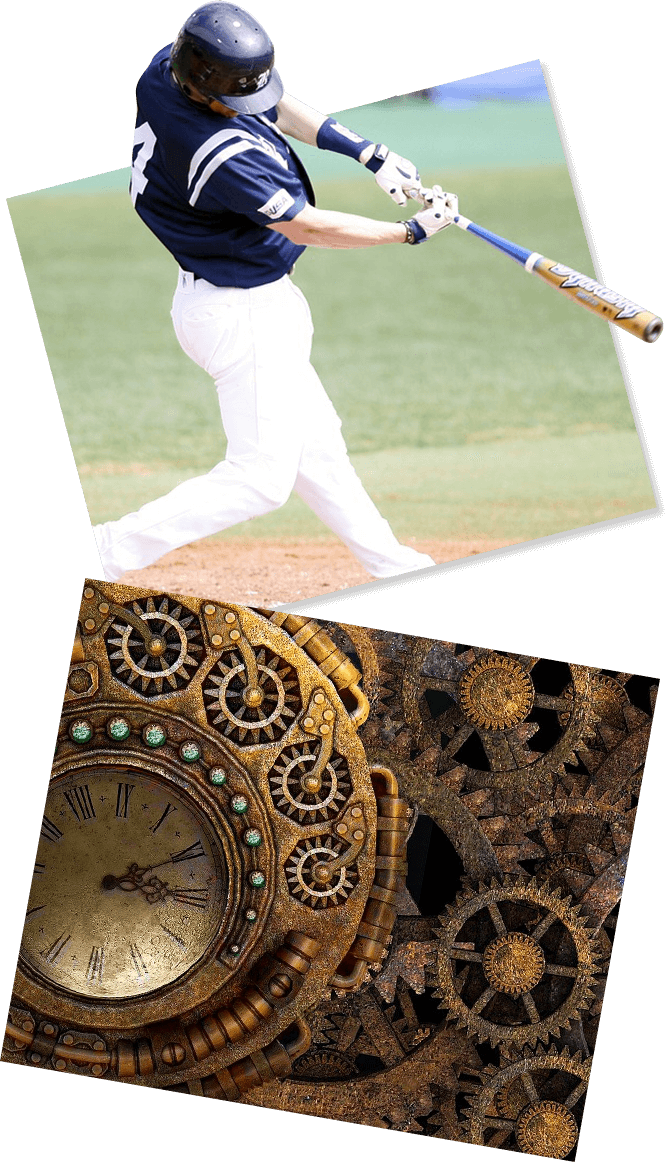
502	720
532	1105
160	655
515	961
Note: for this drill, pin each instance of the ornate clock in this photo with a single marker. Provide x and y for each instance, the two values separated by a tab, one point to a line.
215	856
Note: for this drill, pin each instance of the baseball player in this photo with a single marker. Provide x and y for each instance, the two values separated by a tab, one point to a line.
216	180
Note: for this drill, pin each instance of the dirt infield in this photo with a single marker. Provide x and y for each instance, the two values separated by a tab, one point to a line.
259	572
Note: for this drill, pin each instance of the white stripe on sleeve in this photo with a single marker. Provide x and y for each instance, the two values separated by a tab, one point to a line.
218	160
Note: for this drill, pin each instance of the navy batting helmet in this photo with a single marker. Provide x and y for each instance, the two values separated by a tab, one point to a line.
225	55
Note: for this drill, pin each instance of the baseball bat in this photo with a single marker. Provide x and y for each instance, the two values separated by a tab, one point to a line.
581	289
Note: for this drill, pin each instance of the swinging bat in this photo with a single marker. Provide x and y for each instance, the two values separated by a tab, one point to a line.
585	291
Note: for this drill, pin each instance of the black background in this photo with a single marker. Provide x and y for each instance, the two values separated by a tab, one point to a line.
593	596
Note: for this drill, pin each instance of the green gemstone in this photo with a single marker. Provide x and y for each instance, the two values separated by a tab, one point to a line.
154	736
119	729
239	804
251	915
81	731
252	837
256	879
189	751
217	776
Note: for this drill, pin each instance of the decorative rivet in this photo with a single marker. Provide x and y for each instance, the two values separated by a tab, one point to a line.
328	715
68	1039
239	804
89	623
252	837
308	724
98	1045
256	879
28	1026
81	731
357	835
234	949
216	639
118	729
35	1057
103	607
96	1069
325	729
209	610
251	915
189	751
60	1063
356	812
89	593
154	735
49	1030
234	635
341	828
217	776
229	617
319	698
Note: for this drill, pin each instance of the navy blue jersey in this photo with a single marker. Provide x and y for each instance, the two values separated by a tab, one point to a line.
208	186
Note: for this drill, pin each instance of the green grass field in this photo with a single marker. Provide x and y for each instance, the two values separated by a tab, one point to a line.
475	400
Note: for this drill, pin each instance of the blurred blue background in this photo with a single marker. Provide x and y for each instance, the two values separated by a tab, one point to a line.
495	120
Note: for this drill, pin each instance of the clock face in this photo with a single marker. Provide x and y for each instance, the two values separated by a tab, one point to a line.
129	885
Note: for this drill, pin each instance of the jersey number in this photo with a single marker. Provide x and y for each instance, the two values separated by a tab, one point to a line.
146	138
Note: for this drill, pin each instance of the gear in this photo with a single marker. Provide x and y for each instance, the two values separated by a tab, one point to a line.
515	962
496	693
532	1105
248	714
162	659
296	795
482	708
309	878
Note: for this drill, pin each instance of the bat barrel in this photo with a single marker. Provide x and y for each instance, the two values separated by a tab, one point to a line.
582	289
599	299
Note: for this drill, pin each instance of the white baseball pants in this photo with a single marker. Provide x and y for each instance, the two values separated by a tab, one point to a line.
282	434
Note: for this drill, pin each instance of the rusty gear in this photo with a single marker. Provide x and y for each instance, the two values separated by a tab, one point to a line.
515	961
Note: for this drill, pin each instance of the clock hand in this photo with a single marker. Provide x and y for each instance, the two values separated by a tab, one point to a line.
154	889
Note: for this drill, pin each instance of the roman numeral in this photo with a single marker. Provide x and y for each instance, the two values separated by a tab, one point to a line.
193	852
50	831
123	798
168	810
32	911
80	803
177	939
138	962
52	954
95	965
196	897
40	868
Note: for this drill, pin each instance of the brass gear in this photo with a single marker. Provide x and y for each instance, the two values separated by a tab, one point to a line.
496	693
532	1105
483	708
515	961
250	716
166	657
290	789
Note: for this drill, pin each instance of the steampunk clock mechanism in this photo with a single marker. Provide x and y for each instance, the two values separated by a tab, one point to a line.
332	870
216	853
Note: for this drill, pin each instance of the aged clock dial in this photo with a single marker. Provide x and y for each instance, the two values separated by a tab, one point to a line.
129	885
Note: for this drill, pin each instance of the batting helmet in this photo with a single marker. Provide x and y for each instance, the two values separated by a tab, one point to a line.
224	53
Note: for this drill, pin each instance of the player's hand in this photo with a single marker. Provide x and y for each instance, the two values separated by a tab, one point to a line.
396	175
440	210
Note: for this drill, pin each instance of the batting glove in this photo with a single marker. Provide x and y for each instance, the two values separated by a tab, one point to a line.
396	175
440	210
